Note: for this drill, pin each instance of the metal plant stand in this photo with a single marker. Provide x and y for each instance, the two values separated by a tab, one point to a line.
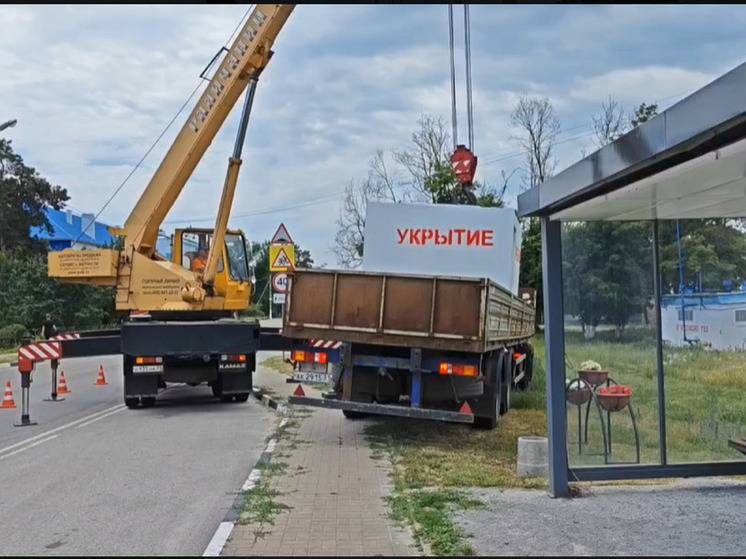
580	392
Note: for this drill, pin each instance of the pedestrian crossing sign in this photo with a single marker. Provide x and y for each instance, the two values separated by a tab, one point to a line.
281	257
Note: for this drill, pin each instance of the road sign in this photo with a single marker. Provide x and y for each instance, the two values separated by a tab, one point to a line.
281	236
281	258
280	282
278	298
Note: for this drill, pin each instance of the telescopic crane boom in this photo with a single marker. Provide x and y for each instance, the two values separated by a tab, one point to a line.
145	281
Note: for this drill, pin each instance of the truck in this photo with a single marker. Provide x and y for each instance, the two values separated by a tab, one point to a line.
433	346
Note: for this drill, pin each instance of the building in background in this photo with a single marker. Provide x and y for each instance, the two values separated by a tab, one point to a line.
67	231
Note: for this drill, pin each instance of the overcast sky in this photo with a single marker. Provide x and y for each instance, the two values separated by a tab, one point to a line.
93	86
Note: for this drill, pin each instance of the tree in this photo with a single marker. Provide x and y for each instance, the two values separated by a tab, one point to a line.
23	195
610	124
539	126
421	172
643	113
260	263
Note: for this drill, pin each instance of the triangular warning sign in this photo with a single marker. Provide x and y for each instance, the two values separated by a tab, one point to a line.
281	235
281	260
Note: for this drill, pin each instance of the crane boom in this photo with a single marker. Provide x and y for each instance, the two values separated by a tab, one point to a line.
244	60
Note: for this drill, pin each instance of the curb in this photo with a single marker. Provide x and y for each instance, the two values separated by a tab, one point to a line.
225	528
270	402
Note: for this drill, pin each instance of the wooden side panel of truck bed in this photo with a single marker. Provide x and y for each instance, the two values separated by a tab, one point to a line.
434	312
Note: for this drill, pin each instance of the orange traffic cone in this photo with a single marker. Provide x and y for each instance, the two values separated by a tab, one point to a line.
8	398
101	379
62	384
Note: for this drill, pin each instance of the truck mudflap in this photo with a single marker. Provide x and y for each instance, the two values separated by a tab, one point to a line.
384	409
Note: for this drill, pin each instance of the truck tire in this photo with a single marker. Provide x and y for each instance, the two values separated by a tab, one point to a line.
506	385
147	401
487	407
243	397
132	403
349	414
528	367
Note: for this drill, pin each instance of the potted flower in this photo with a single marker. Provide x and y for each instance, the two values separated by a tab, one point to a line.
614	398
593	373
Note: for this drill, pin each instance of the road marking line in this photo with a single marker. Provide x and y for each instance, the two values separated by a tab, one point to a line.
60	428
215	547
101	417
27	447
283	422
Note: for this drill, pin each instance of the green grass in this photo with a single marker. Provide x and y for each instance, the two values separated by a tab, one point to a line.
278	364
428	512
704	391
261	504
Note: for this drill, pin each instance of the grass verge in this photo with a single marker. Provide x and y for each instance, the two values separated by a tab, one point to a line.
278	364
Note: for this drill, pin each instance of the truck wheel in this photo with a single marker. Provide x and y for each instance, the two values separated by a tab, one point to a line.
506	383
349	414
242	397
226	398
132	403
148	401
487	407
528	367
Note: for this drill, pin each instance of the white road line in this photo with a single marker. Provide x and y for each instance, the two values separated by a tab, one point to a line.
283	422
4	456
271	446
215	547
60	428
101	417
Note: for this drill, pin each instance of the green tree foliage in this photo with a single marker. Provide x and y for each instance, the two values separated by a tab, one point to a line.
260	259
27	295
643	113
23	195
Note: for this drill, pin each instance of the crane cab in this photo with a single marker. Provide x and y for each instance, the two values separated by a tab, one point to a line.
189	249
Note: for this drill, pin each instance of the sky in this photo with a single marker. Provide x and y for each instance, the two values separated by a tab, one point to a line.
92	87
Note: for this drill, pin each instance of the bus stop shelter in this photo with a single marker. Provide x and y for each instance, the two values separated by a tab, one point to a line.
687	163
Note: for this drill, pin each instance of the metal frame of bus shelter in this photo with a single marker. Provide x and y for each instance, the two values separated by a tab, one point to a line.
712	118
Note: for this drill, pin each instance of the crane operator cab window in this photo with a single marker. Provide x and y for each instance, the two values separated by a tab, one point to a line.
195	247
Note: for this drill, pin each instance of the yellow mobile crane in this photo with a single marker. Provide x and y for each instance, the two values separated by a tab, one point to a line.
186	336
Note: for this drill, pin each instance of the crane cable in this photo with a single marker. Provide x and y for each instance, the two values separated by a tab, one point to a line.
467	54
467	60
454	118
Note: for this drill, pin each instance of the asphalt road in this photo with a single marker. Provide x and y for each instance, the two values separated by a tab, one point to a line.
95	478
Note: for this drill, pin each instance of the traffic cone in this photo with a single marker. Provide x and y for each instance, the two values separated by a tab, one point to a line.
62	384
101	379
8	398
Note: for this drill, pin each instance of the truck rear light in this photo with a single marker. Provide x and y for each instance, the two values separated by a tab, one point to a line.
320	358
234	358
148	360
310	357
458	370
299	356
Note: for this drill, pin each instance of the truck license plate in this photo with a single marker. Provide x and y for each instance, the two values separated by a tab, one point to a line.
311	377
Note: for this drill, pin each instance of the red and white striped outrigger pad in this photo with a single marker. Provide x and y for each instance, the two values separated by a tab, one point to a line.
41	351
324	344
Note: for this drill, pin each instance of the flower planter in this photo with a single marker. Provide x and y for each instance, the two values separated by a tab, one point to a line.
579	396
614	398
594	378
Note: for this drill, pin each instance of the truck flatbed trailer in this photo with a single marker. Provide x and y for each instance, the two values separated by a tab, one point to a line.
439	347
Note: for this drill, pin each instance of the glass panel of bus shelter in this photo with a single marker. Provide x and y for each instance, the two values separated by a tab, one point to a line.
609	308
703	326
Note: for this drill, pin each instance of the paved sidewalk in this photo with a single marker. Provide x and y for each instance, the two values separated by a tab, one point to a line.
334	490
